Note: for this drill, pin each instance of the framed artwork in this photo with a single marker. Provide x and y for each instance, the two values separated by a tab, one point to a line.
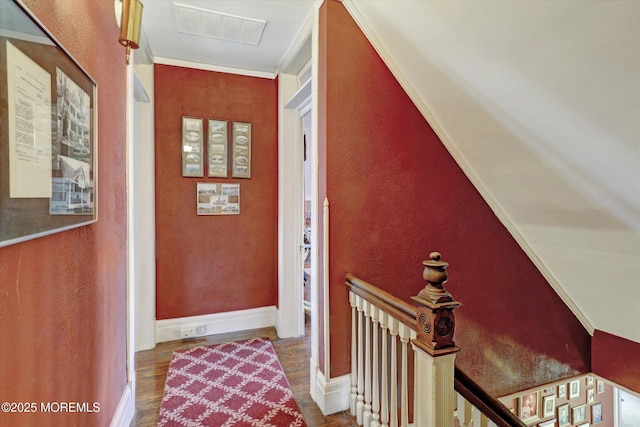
600	386
48	146
574	389
590	380
217	148
564	418
596	413
562	390
591	395
548	423
241	155
548	406
192	147
529	407
218	199
579	414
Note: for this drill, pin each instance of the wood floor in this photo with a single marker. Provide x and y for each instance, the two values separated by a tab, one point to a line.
294	354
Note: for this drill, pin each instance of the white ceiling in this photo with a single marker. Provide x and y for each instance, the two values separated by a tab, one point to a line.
539	102
284	20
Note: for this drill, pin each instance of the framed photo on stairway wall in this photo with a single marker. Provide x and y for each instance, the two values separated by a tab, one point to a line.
529	407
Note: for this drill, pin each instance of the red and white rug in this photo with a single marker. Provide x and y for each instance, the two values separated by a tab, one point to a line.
233	384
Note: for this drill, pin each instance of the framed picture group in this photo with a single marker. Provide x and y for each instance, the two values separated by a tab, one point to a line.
574	403
219	156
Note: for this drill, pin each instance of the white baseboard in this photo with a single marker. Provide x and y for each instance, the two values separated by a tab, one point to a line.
219	323
126	408
333	395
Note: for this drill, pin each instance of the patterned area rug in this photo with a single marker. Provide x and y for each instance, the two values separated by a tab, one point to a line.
233	384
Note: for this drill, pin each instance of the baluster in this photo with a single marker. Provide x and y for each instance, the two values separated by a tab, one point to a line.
375	398
361	319
354	354
464	411
479	419
366	416
393	399
384	386
405	335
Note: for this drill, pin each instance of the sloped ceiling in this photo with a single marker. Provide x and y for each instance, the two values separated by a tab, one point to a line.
539	102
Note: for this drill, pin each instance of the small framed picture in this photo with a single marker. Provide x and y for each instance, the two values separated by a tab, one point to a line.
241	154
590	395
562	390
217	148
589	380
529	407
600	387
574	389
192	147
579	414
563	415
596	413
548	423
548	406
218	199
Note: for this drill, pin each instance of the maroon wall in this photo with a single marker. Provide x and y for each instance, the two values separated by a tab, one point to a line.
616	359
63	313
213	264
395	195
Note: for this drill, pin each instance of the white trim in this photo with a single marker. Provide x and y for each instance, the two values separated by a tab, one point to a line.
325	292
126	409
125	413
332	395
301	101
209	67
141	231
219	323
290	212
352	8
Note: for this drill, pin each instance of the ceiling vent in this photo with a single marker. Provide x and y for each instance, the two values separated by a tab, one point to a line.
216	25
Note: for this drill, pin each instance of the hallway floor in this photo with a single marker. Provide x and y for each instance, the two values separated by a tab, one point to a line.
294	354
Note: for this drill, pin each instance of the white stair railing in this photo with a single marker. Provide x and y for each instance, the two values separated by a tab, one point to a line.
380	381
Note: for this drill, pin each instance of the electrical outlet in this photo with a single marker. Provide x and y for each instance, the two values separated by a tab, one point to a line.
187	332
201	330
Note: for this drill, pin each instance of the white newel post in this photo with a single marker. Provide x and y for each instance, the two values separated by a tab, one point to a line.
434	349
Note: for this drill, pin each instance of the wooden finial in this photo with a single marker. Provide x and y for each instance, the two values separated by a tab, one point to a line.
436	322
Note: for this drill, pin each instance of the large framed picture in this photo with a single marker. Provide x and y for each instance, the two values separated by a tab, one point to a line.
48	142
217	148
241	158
529	407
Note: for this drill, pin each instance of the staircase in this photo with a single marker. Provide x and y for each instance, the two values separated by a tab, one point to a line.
437	394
